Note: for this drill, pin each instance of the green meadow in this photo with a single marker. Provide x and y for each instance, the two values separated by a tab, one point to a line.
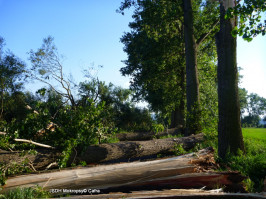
254	133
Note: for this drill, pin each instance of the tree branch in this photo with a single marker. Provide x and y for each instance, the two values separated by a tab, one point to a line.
35	143
40	79
205	35
2	133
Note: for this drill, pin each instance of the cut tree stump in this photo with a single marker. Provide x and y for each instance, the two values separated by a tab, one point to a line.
187	171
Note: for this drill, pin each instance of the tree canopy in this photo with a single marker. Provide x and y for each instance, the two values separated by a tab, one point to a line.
156	51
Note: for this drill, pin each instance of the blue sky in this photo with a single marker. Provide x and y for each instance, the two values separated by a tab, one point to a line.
88	32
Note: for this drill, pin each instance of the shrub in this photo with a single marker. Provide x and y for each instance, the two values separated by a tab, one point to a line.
157	128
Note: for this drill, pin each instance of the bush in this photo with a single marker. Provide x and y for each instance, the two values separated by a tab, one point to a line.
157	128
82	127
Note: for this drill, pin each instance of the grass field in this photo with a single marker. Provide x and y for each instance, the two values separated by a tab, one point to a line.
254	133
255	139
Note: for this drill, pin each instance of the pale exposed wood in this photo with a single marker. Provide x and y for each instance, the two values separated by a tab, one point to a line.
174	172
96	177
30	108
44	131
54	164
35	143
2	133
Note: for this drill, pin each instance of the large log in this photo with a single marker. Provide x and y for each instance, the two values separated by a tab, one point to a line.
141	136
38	161
173	172
117	152
125	151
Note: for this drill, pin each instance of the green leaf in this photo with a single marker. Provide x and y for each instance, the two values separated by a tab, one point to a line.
234	32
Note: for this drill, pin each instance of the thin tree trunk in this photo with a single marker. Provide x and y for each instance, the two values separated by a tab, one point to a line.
183	96
230	137
2	102
178	115
192	81
174	122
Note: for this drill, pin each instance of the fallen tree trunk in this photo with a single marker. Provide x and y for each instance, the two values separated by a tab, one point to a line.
124	151
141	136
117	152
173	172
38	161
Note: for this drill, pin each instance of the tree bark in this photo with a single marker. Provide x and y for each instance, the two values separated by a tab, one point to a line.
193	101
230	137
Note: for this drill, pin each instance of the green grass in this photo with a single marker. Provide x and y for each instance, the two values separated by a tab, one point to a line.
254	133
255	140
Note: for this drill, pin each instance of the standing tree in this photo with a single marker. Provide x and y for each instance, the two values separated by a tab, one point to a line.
156	54
256	107
256	104
155	61
192	43
193	100
11	75
230	137
47	67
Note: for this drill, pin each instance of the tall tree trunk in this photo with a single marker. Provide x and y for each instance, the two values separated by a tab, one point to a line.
192	81
230	137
